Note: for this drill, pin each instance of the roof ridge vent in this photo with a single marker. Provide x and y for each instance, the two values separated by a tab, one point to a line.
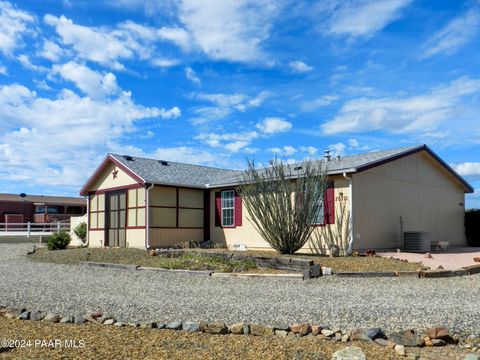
128	157
163	162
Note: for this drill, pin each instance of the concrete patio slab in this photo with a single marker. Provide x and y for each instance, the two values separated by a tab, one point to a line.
450	259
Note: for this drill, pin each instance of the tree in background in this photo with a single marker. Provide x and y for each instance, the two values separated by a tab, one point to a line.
81	231
284	201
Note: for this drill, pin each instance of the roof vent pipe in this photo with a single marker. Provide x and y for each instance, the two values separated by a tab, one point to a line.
327	155
339	157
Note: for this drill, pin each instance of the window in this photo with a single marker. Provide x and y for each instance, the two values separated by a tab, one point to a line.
39	209
228	208
320	218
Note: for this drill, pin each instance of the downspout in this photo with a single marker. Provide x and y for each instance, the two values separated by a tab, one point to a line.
147	216
88	220
350	217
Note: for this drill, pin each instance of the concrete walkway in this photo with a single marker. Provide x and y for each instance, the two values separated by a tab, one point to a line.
450	259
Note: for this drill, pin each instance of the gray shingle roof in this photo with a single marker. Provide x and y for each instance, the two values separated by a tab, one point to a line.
179	174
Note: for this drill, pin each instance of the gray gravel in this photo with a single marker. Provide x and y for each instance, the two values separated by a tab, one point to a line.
389	303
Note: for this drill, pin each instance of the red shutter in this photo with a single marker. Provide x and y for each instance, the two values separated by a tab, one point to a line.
238	209
218	209
330	204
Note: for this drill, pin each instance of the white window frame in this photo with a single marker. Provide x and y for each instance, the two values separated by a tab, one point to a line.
316	223
232	192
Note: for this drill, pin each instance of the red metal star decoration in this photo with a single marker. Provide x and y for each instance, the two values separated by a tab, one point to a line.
115	174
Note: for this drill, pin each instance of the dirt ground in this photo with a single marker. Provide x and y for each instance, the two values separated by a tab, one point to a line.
92	341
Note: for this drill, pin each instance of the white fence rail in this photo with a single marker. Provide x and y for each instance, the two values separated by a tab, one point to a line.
33	229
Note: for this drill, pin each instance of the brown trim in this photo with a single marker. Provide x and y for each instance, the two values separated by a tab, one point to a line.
135	227
135	207
447	167
125	187
177	211
175	227
99	229
102	166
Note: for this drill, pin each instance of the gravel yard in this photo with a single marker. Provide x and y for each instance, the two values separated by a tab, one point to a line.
390	303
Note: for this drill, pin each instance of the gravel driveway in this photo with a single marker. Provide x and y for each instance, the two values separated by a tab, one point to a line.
389	303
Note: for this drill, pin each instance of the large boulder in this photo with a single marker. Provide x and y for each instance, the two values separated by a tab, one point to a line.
405	338
301	328
259	329
216	328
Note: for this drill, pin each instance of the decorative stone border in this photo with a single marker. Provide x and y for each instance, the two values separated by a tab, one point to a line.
467	270
399	341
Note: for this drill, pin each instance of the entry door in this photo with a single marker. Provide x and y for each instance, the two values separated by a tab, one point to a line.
116	218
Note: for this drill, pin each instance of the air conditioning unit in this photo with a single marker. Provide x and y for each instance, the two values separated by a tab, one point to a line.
417	241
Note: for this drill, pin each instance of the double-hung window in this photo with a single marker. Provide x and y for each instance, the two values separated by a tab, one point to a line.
228	208
320	217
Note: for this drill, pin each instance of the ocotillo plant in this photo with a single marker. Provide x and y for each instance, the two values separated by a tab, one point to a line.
283	201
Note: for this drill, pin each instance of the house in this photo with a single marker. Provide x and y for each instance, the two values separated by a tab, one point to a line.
21	208
148	203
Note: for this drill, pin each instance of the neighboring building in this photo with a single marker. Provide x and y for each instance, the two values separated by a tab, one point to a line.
145	203
22	208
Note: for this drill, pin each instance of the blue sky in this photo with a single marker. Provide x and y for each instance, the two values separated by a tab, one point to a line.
214	81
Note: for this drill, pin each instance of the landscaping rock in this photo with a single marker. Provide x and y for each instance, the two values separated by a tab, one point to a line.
400	350
439	332
246	329
316	329
360	335
24	315
190	326
119	324
12	313
346	336
376	333
315	271
52	318
438	342
281	333
472	357
476	259
147	325
79	319
216	328
281	327
406	338
133	324
66	320
160	325
259	330
327	333
301	329
174	325
93	315
381	342
36	315
237	328
108	322
338	336
349	353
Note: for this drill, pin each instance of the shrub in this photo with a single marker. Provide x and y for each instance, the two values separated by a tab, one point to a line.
58	241
472	227
81	231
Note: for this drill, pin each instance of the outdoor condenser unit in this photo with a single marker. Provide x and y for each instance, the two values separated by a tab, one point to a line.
416	241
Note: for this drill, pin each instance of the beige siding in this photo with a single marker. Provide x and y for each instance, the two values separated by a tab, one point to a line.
415	188
163	217
163	196
247	235
136	238
106	181
190	218
190	198
170	237
96	238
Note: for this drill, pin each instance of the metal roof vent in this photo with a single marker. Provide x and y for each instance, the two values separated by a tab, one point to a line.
339	157
163	162
327	155
128	157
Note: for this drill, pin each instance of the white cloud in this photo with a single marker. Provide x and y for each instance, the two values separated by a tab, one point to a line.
311	150
93	83
25	61
273	125
454	35
312	105
185	154
286	150
3	70
192	76
300	66
356	18
176	35
337	149
14	24
468	168
225	104
58	141
164	63
232	142
424	112
51	51
229	30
